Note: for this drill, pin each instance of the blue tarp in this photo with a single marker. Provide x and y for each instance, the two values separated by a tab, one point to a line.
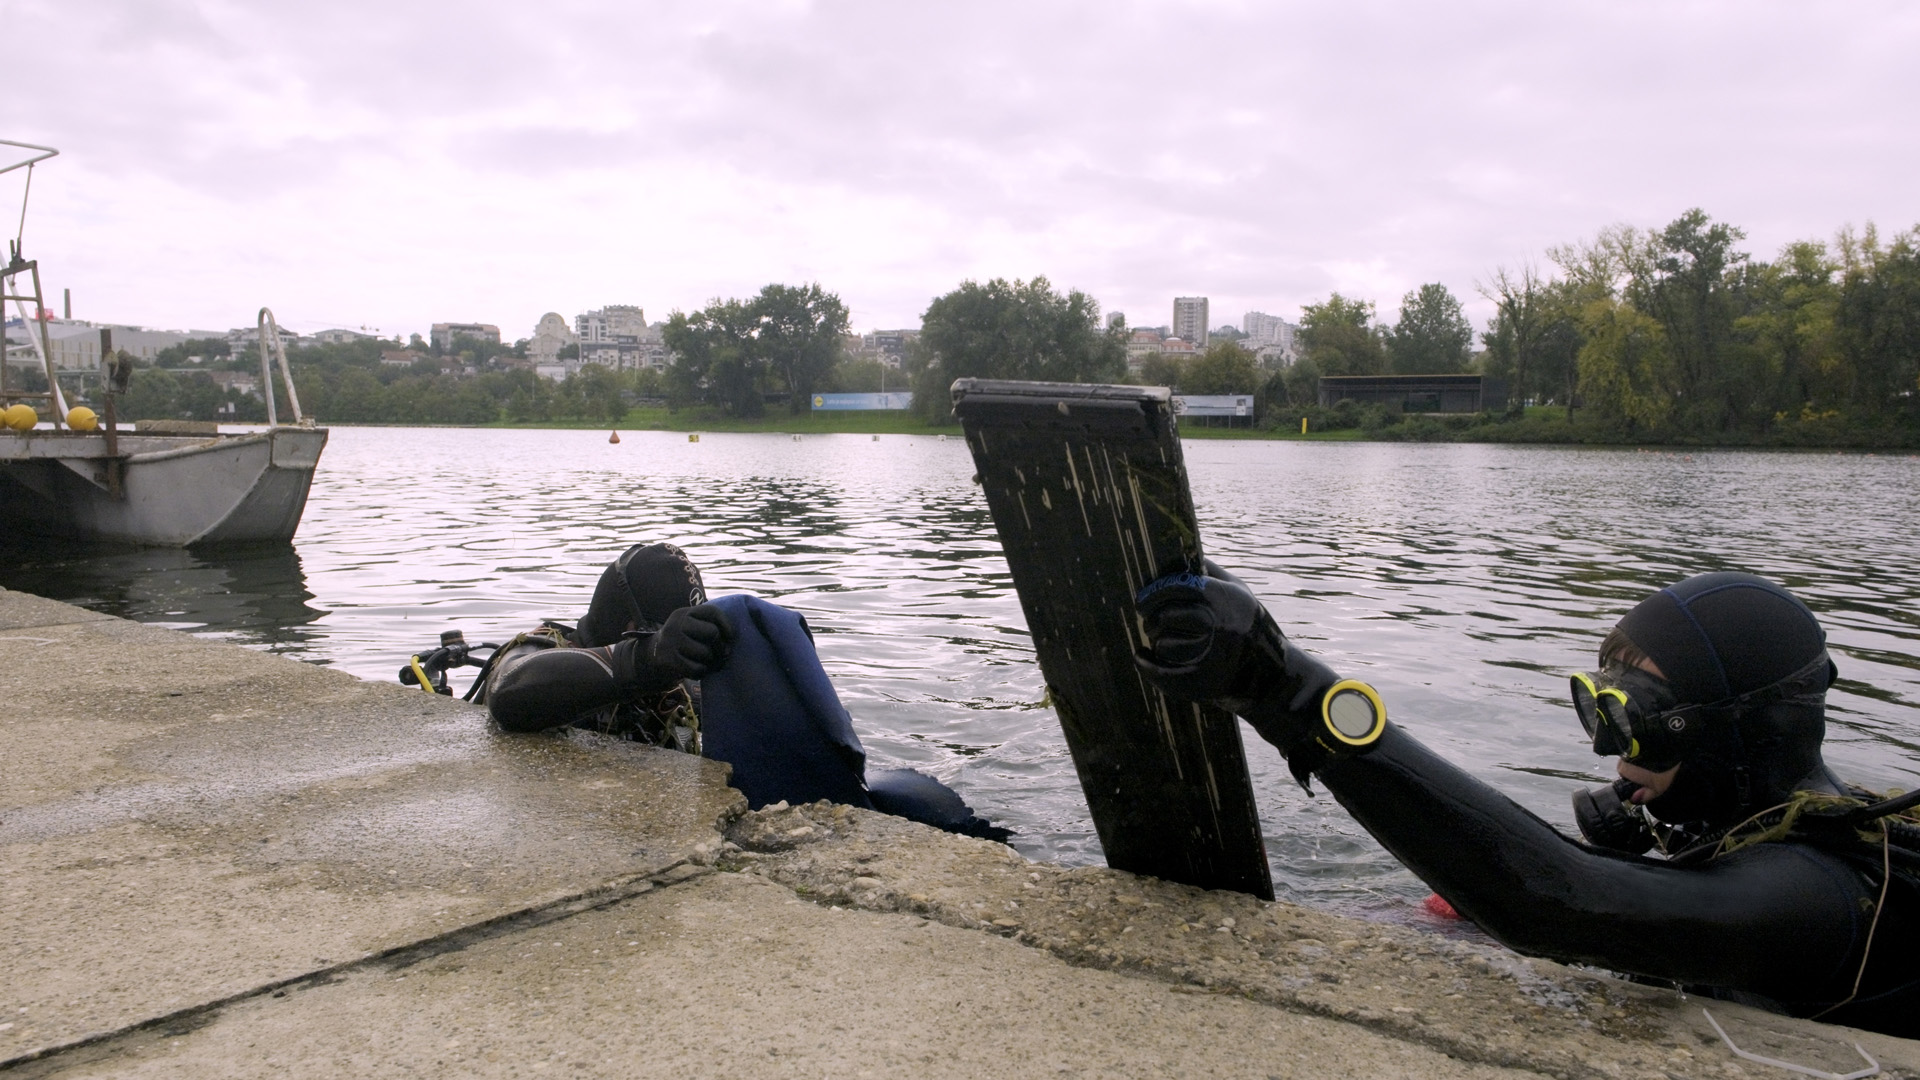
772	714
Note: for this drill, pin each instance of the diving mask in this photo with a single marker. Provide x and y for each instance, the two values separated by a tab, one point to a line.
1632	714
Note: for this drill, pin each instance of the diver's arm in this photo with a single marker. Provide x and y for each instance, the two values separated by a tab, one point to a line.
535	688
1766	918
1770	918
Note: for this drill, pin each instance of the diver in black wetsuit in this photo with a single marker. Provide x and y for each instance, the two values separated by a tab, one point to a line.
1780	885
621	670
630	668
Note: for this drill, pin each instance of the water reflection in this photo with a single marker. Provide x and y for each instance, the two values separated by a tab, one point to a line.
1463	581
255	596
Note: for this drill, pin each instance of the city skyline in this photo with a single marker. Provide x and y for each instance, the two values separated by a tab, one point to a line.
352	165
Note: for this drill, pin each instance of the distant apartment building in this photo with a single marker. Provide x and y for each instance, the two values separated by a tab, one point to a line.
242	336
401	357
890	346
345	337
1141	344
444	334
619	337
1273	339
1190	320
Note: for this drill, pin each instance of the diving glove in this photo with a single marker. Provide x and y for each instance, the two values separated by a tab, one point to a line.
694	642
1209	639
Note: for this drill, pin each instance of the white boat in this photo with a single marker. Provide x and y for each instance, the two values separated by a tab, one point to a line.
174	490
165	483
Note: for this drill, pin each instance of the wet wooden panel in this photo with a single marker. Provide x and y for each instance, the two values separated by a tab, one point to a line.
1089	492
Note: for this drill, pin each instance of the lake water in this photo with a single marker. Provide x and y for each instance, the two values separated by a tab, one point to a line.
1463	581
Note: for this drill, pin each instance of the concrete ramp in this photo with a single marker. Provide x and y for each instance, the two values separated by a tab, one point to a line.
220	863
184	821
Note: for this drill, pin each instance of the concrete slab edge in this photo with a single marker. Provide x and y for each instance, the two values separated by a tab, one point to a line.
61	1056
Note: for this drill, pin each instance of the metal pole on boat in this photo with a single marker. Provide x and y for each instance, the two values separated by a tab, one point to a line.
270	328
266	368
112	383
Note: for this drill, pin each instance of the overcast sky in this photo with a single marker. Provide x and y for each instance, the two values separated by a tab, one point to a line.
392	163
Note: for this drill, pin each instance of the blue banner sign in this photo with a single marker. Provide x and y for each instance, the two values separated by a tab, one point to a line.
1214	405
896	399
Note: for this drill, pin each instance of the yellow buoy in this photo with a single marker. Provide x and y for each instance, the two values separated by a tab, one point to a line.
20	416
694	437
82	418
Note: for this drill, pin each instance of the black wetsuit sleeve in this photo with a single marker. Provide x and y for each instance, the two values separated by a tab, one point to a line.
534	688
1782	920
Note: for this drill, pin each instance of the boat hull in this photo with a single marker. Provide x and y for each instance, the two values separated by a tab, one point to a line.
174	491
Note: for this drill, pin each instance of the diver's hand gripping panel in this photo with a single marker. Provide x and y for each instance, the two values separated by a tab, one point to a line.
1089	492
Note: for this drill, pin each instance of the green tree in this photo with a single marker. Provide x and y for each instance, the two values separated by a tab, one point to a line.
1339	336
1225	368
1433	336
209	349
798	333
150	396
1688	294
598	388
1622	363
1788	323
1012	330
1159	369
714	360
1877	320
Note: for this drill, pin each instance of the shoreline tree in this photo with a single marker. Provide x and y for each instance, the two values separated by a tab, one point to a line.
1011	330
1433	336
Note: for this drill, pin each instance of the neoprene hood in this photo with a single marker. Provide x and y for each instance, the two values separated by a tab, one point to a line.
647	583
1716	636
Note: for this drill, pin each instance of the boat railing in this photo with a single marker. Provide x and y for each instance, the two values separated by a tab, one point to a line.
271	347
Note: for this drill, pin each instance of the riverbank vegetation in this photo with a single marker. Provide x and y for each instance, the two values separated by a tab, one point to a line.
1671	335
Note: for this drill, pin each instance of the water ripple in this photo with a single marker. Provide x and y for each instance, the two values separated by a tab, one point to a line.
1464	581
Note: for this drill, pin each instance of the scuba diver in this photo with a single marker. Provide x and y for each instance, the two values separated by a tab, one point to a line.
735	679
1777	884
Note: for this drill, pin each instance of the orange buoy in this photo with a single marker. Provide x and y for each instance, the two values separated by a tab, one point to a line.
613	436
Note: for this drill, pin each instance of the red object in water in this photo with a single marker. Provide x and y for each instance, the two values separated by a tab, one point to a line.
1438	907
613	436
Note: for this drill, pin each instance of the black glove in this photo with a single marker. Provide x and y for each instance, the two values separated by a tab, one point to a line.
691	644
1209	639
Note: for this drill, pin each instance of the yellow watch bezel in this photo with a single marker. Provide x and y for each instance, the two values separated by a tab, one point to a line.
1373	698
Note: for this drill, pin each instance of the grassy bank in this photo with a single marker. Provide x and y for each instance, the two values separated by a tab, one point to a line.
1537	425
835	422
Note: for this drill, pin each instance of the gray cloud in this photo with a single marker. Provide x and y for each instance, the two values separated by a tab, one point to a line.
1260	154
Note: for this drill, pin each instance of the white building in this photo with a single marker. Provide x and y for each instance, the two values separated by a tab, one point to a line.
1273	339
341	337
619	337
1190	320
550	335
75	343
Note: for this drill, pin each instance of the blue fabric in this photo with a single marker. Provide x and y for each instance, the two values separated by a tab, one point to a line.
772	715
916	796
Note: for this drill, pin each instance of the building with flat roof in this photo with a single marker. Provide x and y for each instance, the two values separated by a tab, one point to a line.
1190	320
75	343
619	337
1416	393
444	333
